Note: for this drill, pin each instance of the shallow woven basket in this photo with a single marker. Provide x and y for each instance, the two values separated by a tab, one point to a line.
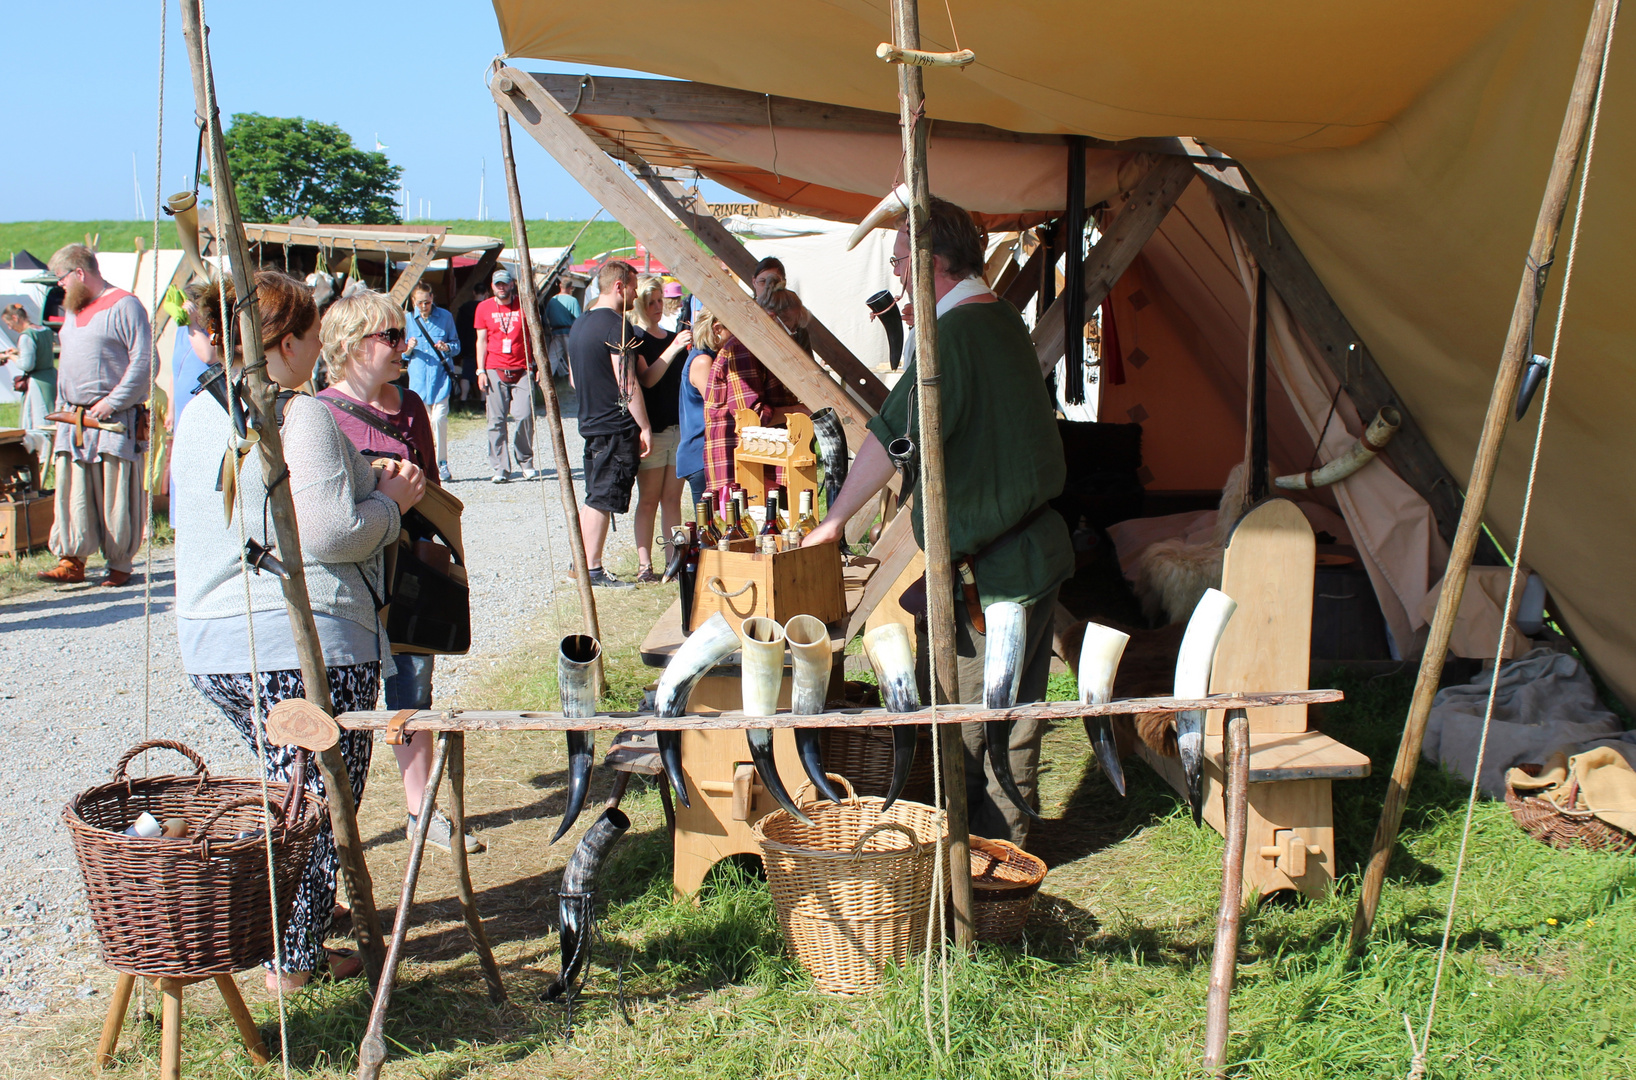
864	756
1004	879
852	890
1545	821
197	905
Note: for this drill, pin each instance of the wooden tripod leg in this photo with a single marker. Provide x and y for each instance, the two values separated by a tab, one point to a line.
462	868
170	1031
1224	966
115	1020
241	1017
372	1051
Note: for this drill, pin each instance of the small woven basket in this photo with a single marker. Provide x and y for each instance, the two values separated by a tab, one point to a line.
1004	880
1549	823
197	905
864	756
853	889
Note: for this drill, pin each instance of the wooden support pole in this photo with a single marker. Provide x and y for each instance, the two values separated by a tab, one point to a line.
1121	242
1546	229
540	115
170	1016
1256	433
114	1022
462	868
1224	962
1073	278
933	493
248	1031
527	300
343	811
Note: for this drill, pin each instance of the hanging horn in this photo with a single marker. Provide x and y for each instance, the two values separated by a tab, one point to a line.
576	898
184	207
1006	635
1098	663
811	661
894	205
706	647
1193	664
762	677
577	657
885	307
892	655
1380	432
831	440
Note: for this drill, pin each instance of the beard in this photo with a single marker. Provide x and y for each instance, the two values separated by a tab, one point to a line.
77	297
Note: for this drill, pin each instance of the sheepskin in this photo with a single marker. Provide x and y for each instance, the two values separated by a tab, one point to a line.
1171	575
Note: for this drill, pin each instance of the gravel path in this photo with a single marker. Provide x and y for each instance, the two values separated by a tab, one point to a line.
72	701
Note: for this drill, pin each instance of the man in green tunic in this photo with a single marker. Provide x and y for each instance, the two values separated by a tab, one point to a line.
1003	462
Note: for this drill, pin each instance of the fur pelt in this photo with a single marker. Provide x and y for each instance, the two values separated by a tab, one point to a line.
1171	575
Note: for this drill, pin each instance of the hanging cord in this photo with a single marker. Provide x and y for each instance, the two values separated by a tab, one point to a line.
774	133
1417	1066
152	477
256	718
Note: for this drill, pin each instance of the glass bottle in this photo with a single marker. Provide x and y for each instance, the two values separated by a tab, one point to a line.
774	525
805	522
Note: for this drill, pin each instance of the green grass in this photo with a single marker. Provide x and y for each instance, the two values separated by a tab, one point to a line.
10	415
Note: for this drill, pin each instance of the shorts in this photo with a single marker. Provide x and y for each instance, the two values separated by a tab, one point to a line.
662	448
610	471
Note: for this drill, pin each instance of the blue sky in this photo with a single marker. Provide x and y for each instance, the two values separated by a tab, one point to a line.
83	99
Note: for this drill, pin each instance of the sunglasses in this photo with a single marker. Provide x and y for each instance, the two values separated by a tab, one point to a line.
393	336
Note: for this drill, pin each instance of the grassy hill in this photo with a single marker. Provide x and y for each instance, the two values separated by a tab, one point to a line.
41	238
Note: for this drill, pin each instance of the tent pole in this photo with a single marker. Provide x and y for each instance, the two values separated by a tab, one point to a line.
1547	227
343	811
1256	486
1073	278
934	499
553	409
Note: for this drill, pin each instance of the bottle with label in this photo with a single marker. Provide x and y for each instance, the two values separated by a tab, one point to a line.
735	521
709	533
805	521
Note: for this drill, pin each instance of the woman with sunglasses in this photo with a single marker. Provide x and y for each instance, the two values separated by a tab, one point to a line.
364	349
346	511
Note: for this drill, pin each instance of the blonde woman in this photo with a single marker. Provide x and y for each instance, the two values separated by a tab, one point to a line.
708	334
659	369
364	354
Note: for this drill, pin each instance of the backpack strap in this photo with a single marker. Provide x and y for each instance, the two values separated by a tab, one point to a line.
373	420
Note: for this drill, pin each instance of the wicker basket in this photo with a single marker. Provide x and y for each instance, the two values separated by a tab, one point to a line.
197	905
864	756
852	890
1004	879
1545	821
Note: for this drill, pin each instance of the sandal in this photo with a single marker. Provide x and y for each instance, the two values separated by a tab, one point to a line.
646	576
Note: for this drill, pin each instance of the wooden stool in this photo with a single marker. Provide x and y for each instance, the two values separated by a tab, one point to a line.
170	1038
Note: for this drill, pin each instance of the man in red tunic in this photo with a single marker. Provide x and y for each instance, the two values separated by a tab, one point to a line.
503	366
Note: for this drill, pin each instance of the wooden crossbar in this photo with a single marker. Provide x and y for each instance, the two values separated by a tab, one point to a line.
545	720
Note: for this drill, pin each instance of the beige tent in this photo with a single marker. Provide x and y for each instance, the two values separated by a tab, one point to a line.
1404	146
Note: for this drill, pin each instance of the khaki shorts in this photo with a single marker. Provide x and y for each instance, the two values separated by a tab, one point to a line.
662	448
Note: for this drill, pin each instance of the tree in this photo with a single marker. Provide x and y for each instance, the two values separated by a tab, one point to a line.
288	166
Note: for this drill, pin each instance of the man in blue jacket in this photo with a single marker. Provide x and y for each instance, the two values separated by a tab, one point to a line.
433	345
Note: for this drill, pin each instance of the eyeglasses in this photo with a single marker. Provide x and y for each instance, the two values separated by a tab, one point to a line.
895	259
392	336
63	280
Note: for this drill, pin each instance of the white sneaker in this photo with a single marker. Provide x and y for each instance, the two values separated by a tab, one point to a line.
439	831
532	474
499	478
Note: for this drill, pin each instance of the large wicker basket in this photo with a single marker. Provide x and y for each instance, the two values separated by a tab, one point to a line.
1549	823
853	889
864	756
1004	880
198	905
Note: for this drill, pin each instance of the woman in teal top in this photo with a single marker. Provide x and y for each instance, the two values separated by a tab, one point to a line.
36	346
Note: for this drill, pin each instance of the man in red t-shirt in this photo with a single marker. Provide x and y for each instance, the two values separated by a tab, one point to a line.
503	368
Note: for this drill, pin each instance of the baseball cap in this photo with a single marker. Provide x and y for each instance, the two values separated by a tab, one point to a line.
501	276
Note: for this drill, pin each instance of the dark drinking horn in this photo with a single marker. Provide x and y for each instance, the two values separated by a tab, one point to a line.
1532	376
761	754
1098	664
811	661
1193	663
711	643
886	310
577	658
1007	633
906	461
577	896
893	658
831	439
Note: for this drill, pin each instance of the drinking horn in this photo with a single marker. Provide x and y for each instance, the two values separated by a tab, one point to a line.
577	897
1193	663
895	205
831	440
906	460
576	689
184	207
811	661
885	307
1098	663
709	645
1379	433
892	656
762	677
1006	638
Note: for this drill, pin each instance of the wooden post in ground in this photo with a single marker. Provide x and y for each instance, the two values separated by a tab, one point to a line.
934	508
1224	963
343	811
553	409
1540	252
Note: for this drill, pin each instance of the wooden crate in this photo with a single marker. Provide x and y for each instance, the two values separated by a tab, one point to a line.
25	524
744	584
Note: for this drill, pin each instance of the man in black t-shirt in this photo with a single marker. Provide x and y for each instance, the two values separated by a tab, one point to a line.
613	418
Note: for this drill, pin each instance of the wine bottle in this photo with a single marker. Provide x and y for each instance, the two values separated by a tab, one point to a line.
735	524
806	523
774	525
709	533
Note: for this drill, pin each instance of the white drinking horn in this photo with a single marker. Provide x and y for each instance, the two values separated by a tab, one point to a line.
1379	433
894	205
706	647
762	669
1099	658
1193	664
892	655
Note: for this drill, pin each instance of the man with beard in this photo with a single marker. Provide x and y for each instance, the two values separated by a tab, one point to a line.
103	373
503	364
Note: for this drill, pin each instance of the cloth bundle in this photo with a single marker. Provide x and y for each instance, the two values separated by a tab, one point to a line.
1600	780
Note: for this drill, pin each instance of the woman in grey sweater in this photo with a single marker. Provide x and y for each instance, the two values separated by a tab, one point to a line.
238	649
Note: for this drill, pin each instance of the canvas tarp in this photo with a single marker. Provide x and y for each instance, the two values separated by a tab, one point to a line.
1405	146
